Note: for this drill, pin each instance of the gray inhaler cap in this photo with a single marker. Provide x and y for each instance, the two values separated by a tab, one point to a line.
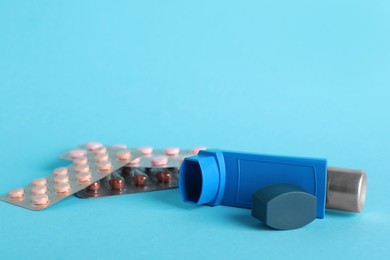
346	189
284	206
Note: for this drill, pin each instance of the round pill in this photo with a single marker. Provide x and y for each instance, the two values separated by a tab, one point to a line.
62	188
140	180
122	146
16	193
172	151
40	199
195	150
99	150
145	149
60	171
117	183
39	189
123	155
77	153
61	179
83	177
39	182
80	160
81	168
94	187
164	177
101	157
159	161
93	145
134	162
104	166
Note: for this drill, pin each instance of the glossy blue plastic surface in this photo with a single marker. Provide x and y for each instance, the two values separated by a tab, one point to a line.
217	177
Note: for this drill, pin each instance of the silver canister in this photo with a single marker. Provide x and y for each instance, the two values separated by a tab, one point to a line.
346	189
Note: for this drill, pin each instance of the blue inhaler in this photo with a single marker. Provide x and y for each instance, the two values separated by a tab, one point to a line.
273	186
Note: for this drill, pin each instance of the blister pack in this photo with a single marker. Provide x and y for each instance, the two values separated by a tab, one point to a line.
132	180
89	168
170	157
156	169
83	149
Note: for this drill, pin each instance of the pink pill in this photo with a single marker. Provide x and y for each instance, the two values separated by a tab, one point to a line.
60	171
101	157
123	155
77	153
134	162
99	150
61	179
62	188
172	151
104	166
80	160
39	189
40	199
83	177
195	150
93	145
39	182
16	193
122	146
81	168
159	161
145	149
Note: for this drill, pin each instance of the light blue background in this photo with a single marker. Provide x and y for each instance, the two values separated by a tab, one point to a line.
307	78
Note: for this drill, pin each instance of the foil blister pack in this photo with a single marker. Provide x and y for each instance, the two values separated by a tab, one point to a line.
63	182
129	180
156	169
169	157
